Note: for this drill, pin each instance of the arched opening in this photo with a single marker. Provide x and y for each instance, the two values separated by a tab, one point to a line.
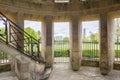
61	42
3	31
90	40
33	28
117	39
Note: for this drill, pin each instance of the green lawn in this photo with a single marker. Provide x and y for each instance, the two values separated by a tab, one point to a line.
61	49
89	50
3	55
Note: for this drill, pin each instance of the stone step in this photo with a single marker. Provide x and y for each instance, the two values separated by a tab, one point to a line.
47	73
8	76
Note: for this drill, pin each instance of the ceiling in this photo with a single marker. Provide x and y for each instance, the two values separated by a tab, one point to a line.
56	1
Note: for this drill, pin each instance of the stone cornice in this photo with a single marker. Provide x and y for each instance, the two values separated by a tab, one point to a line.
53	9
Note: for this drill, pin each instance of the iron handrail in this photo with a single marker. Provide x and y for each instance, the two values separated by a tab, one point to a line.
17	26
31	46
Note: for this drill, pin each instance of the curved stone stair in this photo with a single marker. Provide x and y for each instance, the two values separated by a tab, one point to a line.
12	76
46	73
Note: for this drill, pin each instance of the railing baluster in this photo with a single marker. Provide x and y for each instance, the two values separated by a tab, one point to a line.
6	32
90	50
13	35
38	52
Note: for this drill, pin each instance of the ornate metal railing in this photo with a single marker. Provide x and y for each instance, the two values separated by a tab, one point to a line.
117	50
3	58
61	48
90	50
61	51
13	35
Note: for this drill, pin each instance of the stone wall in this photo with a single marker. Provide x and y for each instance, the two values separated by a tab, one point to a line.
24	67
77	7
4	67
95	63
27	69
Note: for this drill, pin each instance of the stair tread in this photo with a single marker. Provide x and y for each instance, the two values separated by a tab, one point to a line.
47	73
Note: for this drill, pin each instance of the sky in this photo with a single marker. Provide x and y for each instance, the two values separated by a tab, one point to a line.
62	28
33	24
1	24
91	27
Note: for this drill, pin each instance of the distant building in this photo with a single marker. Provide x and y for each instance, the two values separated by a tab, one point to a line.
84	33
59	37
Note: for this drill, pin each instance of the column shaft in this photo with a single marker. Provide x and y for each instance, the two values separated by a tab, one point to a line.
19	37
75	43
106	43
47	40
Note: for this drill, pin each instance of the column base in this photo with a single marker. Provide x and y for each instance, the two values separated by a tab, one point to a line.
75	61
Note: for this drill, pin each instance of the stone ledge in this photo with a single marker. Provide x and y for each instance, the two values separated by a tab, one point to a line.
90	63
4	67
95	63
117	65
27	69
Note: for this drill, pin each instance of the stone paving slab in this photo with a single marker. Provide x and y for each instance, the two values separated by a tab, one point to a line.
8	76
63	72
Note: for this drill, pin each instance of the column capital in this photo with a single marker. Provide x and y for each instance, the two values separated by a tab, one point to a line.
73	17
47	17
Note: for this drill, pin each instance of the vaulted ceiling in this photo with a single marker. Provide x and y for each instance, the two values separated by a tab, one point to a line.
49	7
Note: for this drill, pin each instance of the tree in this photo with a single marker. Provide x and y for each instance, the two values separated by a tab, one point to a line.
2	31
94	37
3	34
66	39
117	31
32	32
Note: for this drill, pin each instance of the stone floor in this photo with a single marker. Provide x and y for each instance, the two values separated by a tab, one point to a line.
63	72
8	76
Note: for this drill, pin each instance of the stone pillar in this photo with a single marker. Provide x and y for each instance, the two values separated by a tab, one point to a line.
19	20
106	43
47	40
75	43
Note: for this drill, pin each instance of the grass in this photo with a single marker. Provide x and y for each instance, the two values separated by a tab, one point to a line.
64	53
89	50
117	53
61	49
3	55
90	53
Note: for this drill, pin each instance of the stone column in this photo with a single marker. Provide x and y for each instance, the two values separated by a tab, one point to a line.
47	40
75	43
106	43
19	20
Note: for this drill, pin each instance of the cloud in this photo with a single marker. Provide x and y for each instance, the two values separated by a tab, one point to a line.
63	27
1	24
33	24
